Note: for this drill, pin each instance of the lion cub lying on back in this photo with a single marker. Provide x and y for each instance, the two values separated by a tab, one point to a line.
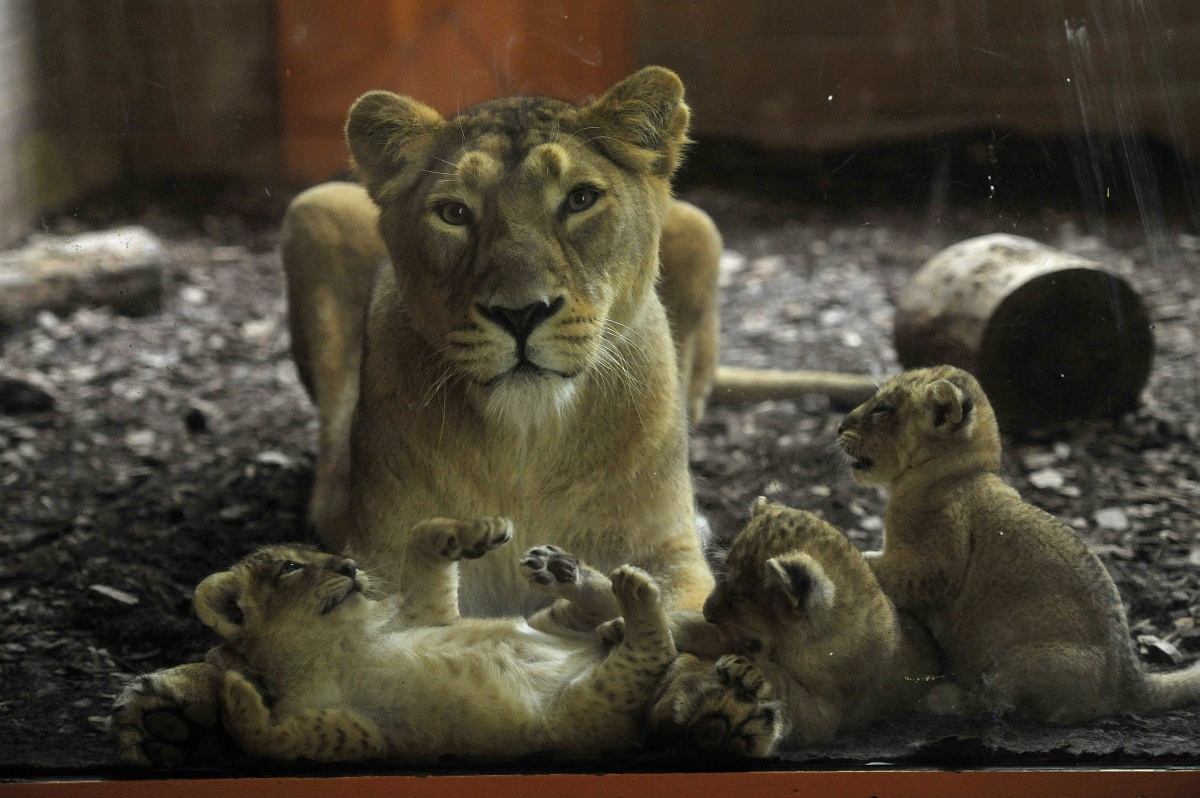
1027	615
798	597
350	678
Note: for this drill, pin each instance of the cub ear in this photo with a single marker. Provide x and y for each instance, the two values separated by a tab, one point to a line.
803	581
759	504
642	121
385	132
218	604
950	405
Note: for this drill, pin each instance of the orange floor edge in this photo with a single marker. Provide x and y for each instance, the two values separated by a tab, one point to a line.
1182	783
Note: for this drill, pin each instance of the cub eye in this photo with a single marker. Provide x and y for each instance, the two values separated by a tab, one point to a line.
289	567
581	198
882	410
454	213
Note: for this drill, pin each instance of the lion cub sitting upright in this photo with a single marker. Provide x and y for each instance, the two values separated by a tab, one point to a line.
799	598
350	678
1027	615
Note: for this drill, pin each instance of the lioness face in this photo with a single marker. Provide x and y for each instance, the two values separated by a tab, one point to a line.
277	588
915	418
524	232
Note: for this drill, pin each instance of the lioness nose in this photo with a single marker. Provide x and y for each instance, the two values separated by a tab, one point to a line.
520	322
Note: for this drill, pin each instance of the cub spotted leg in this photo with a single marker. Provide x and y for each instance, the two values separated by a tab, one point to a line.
725	705
584	595
429	587
602	709
170	717
323	735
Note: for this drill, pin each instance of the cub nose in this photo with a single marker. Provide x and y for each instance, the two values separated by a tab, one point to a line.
845	425
520	322
348	569
712	610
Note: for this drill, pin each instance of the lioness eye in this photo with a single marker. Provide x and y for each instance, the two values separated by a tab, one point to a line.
454	213
582	198
882	410
289	567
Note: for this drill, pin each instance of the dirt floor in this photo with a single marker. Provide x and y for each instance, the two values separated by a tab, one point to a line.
180	441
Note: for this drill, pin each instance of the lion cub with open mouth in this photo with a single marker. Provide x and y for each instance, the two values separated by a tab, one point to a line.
1026	613
798	597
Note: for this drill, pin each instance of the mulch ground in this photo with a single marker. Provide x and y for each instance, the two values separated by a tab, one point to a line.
180	441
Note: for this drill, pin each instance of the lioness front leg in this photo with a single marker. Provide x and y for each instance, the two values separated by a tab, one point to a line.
584	595
168	717
323	735
430	577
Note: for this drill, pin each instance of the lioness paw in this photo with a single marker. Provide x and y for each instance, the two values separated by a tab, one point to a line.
470	540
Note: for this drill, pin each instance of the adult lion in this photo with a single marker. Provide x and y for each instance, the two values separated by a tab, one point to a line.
514	357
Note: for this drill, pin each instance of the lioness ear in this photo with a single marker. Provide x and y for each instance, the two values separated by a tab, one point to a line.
385	132
642	121
803	580
217	604
951	406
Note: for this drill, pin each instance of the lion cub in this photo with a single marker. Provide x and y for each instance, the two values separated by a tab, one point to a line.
350	678
799	598
1027	615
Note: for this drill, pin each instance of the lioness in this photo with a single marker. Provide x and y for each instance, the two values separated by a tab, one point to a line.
514	357
1026	613
797	598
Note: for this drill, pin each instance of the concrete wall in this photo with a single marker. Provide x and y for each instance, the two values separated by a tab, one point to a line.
94	91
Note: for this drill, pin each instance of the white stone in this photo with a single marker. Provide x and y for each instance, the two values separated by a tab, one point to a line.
1047	479
1113	518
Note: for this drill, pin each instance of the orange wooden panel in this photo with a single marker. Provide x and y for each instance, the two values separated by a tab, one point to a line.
860	784
449	54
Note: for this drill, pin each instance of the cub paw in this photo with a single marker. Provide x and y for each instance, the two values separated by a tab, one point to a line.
743	677
170	718
243	704
469	540
550	567
634	588
750	730
723	706
611	632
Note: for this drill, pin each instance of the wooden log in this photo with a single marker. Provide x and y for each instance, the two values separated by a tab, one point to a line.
759	385
1050	336
121	268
